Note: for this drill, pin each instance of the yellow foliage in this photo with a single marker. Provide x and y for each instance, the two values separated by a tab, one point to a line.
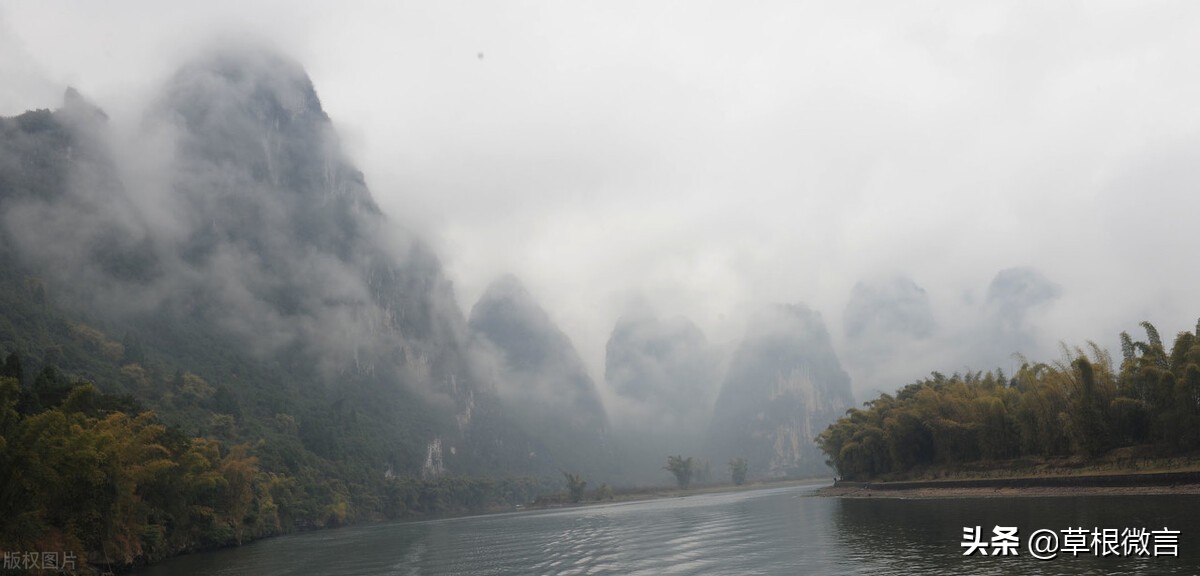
223	425
195	387
137	376
338	511
286	423
98	341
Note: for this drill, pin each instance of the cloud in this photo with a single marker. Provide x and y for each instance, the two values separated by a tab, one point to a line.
709	158
25	81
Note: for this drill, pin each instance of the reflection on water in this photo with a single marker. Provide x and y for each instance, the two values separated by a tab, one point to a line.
899	536
777	531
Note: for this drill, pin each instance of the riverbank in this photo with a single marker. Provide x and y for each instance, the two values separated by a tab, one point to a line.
1150	483
656	493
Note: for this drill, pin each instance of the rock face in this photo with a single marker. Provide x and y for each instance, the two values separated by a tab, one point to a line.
783	387
278	225
283	247
243	241
664	374
540	378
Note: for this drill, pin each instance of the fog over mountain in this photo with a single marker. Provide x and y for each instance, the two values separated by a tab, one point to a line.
884	319
272	267
664	366
540	378
784	386
713	159
890	326
318	194
249	249
663	375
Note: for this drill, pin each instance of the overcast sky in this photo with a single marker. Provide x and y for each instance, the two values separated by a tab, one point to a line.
707	158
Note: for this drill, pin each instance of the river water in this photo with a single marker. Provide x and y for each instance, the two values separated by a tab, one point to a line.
770	531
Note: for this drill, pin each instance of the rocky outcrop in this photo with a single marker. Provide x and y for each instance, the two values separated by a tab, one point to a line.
541	380
783	387
236	234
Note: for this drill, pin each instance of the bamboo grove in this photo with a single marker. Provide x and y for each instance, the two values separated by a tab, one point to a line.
1079	408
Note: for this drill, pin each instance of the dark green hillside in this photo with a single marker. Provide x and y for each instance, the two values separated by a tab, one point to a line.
239	347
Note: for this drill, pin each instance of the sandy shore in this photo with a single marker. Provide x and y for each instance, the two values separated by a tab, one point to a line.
1006	492
1064	485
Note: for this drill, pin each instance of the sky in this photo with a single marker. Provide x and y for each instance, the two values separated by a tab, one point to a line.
708	158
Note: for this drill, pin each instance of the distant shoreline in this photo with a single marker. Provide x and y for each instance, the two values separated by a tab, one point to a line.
1153	483
661	492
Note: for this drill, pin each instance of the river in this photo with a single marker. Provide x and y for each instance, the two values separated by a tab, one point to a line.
769	531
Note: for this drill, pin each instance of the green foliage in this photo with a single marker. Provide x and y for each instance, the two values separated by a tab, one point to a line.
1078	406
88	469
682	468
229	443
737	469
575	486
122	488
405	496
12	367
119	488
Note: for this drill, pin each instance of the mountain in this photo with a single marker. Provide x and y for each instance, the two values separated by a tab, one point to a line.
783	387
280	236
891	307
240	341
276	243
539	376
1013	294
231	269
664	374
61	198
885	322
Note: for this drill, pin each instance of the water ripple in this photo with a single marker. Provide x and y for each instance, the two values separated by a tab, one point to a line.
778	531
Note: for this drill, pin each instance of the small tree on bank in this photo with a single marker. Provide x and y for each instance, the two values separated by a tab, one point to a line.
682	468
575	486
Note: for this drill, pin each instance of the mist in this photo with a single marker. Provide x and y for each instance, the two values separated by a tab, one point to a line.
267	268
705	159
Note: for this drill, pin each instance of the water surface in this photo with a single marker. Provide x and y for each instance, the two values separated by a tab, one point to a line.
772	531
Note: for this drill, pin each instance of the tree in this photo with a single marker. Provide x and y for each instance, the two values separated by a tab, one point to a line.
1092	422
738	467
239	470
50	388
12	367
682	468
575	486
10	394
1078	406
